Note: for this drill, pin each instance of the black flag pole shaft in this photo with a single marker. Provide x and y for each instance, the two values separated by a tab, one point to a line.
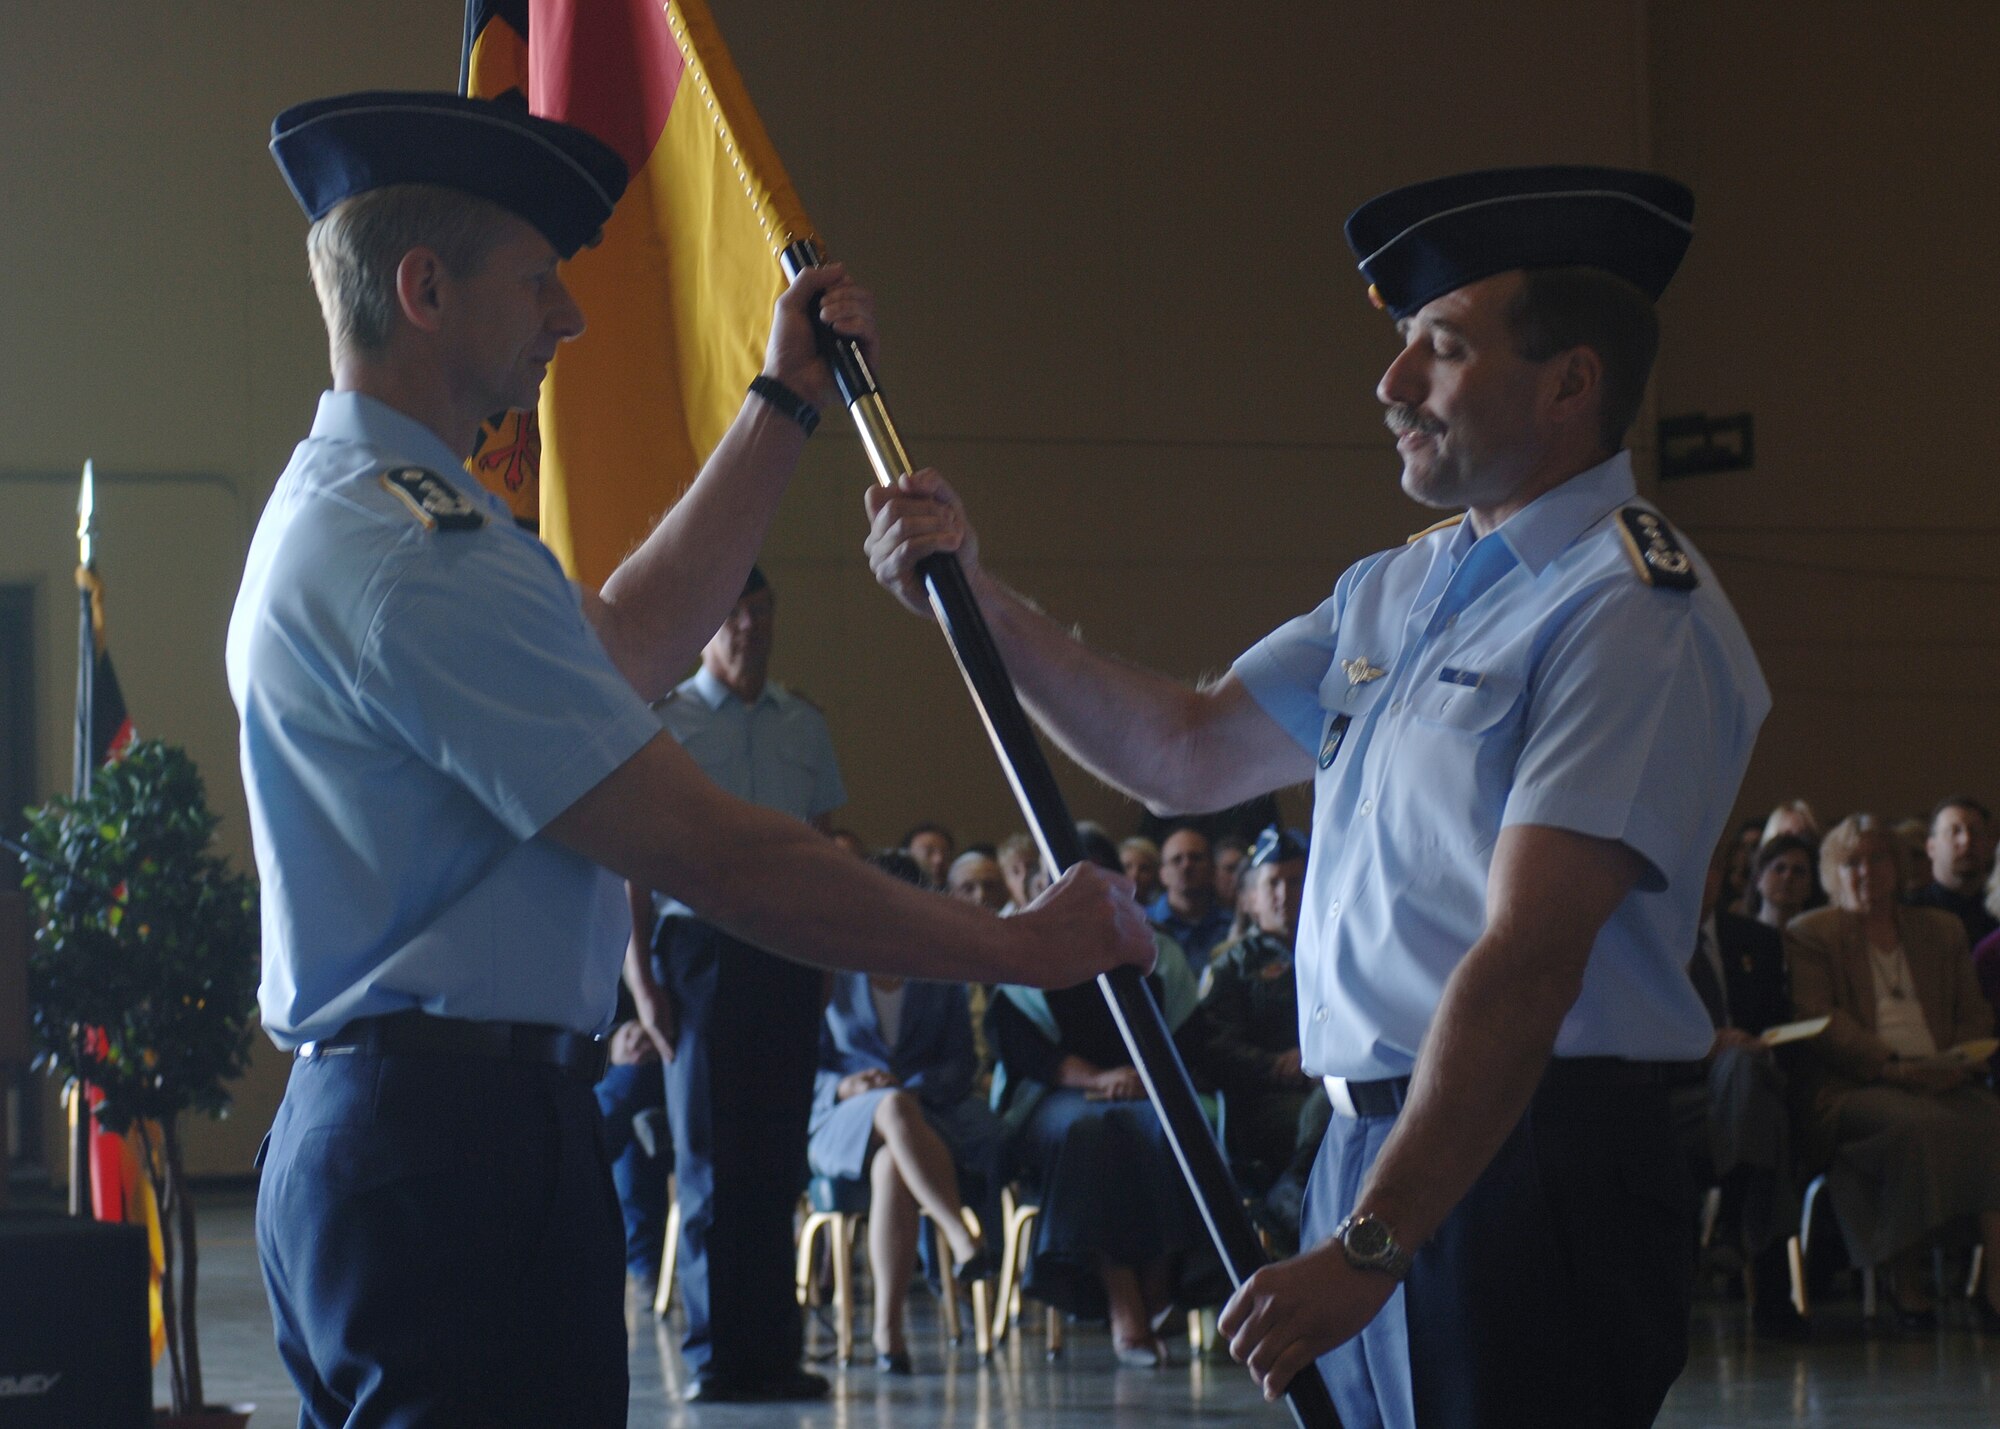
1034	784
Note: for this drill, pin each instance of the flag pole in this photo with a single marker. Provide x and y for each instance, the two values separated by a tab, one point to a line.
1034	783
81	770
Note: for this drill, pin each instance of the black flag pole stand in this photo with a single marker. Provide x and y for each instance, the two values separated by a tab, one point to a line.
1034	784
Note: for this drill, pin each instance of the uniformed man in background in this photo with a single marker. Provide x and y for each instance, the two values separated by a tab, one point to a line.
1527	726
741	1027
446	745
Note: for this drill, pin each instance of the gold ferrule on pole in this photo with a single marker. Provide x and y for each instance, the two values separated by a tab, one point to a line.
885	448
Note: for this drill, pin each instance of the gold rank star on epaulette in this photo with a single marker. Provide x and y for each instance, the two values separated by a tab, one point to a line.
1655	552
432	499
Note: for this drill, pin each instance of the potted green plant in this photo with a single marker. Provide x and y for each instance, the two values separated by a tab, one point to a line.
146	936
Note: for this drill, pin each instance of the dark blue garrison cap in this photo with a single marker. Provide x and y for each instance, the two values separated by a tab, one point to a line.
553	175
1421	242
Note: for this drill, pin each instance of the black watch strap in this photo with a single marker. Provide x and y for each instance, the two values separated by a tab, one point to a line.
786	401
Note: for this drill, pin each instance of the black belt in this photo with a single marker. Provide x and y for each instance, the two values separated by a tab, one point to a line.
1386	1097
419	1033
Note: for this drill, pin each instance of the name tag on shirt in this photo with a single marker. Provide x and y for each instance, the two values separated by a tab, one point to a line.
1471	679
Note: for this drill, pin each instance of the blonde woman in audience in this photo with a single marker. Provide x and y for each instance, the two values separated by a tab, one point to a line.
1021	866
1914	1142
1794	817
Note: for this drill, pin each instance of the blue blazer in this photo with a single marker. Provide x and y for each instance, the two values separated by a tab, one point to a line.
932	1057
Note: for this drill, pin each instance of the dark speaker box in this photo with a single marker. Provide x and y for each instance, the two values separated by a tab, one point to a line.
74	1345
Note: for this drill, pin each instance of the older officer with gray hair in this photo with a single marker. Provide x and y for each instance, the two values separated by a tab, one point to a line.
450	762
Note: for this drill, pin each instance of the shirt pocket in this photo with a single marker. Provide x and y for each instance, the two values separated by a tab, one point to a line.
1471	704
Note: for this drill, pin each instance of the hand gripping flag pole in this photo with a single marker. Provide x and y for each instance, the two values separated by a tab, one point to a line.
1034	783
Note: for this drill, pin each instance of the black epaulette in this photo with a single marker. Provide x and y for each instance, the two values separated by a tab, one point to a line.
432	499
1655	553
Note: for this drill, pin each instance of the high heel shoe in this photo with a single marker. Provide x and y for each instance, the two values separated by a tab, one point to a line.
894	1362
1150	1353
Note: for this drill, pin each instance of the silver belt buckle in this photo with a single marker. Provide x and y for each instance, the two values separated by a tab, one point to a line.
1343	1103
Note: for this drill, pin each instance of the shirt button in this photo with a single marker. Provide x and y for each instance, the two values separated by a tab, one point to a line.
1319	1014
1336	906
1395	707
1367	807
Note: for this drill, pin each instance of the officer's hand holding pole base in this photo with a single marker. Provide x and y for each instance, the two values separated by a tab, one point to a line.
1289	1314
917	517
1085	923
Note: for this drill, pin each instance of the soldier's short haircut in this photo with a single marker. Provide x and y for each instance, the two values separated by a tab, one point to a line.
354	250
1561	308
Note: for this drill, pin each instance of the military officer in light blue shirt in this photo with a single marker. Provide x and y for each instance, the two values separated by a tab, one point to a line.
738	1029
450	761
1526	728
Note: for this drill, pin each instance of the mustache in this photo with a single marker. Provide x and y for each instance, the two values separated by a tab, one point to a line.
1402	417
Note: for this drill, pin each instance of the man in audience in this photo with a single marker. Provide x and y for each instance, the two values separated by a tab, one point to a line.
1960	846
1188	910
1245	1038
975	877
743	1026
932	846
1139	856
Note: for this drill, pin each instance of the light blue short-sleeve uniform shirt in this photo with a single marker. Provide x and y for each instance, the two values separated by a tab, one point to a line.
775	752
419	697
1459	685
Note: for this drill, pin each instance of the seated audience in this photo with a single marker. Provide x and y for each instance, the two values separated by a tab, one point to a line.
1912	838
1187	909
1737	1118
1781	879
1914	1143
1140	858
1021	866
975	877
892	1103
1118	1236
1244	1038
1960	847
932	846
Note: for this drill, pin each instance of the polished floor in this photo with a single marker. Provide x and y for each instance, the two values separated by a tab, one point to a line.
1845	1377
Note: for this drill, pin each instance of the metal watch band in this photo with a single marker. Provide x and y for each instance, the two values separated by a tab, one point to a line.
1368	1244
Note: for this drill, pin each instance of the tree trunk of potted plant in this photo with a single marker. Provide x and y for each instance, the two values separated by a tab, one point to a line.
148	939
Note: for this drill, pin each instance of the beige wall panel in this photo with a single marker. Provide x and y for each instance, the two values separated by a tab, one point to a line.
1841	289
1114	292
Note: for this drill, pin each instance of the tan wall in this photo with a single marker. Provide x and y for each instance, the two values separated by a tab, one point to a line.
1116	307
1842	290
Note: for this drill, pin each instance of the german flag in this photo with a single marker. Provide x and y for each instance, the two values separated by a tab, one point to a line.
120	1189
677	297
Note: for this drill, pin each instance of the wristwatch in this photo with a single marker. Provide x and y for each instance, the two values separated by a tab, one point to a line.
1369	1244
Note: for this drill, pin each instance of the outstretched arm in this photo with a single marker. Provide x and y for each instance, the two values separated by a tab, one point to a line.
772	881
1176	748
667	598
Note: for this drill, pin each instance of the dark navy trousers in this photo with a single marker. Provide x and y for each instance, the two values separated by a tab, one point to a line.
440	1242
739	1095
1556	1293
